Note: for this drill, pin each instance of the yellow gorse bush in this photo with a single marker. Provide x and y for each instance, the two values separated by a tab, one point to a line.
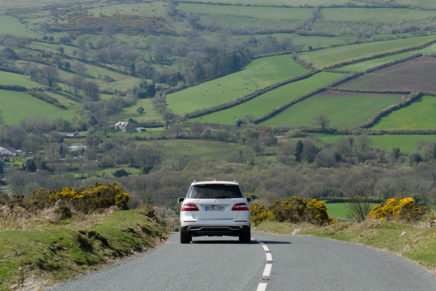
298	209
259	213
399	209
97	196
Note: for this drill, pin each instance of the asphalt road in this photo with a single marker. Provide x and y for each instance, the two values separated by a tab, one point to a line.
287	262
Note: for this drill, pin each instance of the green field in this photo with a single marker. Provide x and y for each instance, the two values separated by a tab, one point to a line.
320	41
12	79
418	3
343	110
131	112
374	15
68	50
239	17
419	115
267	102
340	210
363	66
336	55
406	143
16	106
11	25
258	74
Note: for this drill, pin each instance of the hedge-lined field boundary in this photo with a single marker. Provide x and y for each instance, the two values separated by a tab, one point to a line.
302	98
383	92
381	55
13	88
286	106
46	98
395	62
248	97
412	98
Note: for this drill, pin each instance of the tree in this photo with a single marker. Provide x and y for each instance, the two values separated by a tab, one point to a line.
77	83
298	151
140	110
30	166
322	121
91	90
50	75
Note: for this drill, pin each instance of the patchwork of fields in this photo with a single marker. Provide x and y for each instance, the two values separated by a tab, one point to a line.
322	34
258	74
336	55
271	100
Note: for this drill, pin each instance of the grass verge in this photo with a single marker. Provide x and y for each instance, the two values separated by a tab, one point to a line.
40	251
414	242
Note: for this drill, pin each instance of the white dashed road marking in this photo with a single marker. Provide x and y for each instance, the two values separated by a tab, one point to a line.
261	287
269	257
268	266
266	272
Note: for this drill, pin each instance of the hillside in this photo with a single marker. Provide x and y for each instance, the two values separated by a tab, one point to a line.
298	96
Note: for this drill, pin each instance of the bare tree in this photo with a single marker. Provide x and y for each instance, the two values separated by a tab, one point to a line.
50	75
322	121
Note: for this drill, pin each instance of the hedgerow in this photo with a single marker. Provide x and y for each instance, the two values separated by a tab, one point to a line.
399	209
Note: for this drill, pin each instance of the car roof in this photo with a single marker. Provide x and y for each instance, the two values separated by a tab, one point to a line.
214	182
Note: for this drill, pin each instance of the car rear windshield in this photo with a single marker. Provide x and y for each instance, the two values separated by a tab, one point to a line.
215	191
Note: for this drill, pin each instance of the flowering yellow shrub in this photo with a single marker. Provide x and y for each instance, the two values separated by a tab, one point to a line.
398	209
259	213
97	196
298	209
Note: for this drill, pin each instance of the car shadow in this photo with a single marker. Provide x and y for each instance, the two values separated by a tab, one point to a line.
275	242
267	242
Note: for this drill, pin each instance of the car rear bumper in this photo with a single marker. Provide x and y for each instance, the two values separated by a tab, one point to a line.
216	230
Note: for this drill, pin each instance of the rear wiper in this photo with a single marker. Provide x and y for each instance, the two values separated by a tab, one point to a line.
223	197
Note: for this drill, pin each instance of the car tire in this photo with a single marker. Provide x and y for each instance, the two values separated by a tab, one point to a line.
185	237
245	235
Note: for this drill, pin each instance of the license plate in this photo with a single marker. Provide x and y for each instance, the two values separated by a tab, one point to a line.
214	208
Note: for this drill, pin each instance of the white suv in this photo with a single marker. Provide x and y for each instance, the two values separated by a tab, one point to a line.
214	208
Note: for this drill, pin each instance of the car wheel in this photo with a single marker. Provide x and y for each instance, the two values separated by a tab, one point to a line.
245	235
185	237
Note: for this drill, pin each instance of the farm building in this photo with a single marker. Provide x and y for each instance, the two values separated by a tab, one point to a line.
7	152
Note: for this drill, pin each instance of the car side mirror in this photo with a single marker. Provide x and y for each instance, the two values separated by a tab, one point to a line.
181	199
249	199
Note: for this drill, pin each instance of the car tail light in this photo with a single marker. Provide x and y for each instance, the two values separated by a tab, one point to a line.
240	207
189	207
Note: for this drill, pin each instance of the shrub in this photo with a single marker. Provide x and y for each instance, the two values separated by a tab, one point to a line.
120	173
63	212
97	196
259	213
297	209
399	209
